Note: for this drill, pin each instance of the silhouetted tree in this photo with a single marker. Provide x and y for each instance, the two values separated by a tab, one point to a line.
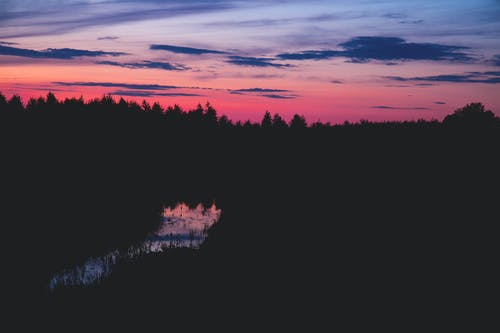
3	101
319	124
33	104
174	114
15	104
472	115
298	122
267	121
210	115
195	117
224	122
107	100
278	122
122	104
51	100
157	109
133	106
146	107
76	104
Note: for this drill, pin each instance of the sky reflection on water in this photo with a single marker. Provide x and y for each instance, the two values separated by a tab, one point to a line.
182	227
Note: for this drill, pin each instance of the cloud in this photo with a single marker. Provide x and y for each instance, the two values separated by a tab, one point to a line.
249	23
117	85
54	53
147	64
364	49
396	86
142	93
266	22
491	77
255	62
264	92
39	88
261	76
337	82
8	43
239	75
395	16
259	90
385	107
108	38
184	50
402	17
440	103
495	61
411	22
310	55
128	86
276	96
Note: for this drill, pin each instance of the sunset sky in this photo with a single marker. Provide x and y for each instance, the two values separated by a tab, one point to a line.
330	60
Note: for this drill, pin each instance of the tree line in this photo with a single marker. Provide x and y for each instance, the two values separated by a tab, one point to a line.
81	178
206	117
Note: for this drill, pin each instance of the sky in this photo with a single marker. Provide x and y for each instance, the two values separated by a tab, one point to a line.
329	60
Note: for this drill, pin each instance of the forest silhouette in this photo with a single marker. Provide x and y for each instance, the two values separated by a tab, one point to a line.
394	217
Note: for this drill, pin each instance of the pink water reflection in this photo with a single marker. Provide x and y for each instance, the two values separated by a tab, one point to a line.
182	227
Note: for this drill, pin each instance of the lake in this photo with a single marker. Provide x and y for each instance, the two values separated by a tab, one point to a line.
182	227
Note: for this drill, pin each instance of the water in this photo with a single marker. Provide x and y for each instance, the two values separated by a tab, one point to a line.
181	227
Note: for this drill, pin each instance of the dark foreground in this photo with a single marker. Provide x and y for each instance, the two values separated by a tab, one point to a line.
388	226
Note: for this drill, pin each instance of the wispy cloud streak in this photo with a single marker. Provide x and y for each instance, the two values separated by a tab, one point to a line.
491	77
256	62
141	93
385	107
56	17
65	53
117	85
184	49
147	64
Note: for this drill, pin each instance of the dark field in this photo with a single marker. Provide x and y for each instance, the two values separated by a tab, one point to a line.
371	225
